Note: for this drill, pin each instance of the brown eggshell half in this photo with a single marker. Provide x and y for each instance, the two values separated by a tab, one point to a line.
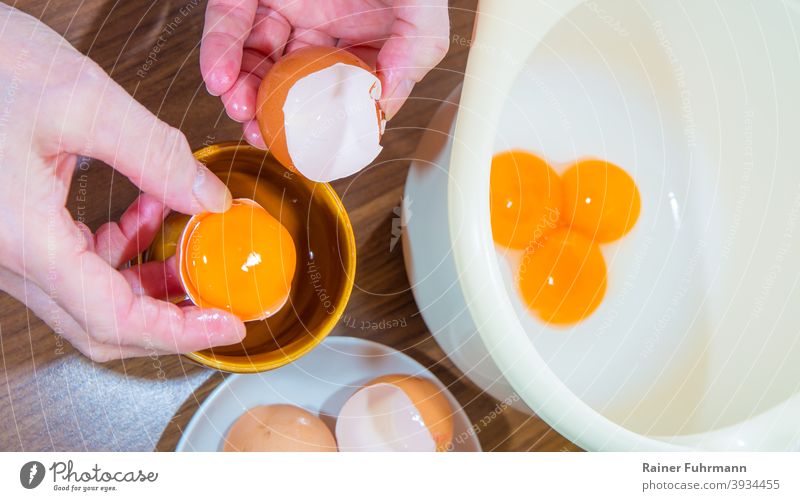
431	403
280	79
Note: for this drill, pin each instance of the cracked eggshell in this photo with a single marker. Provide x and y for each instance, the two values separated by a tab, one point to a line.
396	412
317	109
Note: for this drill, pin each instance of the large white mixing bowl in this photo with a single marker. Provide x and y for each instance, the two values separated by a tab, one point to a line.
697	342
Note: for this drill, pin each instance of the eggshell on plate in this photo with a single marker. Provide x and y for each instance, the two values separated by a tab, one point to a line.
396	413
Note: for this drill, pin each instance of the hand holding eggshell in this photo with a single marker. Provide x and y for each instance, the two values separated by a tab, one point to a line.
319	115
241	43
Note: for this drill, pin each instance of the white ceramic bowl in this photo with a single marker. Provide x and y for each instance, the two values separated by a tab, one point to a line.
320	382
696	344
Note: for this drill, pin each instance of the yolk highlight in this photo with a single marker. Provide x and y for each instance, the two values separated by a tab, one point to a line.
241	261
525	198
563	279
600	200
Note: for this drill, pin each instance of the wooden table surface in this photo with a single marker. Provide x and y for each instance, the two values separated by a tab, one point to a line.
52	398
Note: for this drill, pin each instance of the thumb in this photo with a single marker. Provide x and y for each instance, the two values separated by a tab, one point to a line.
101	120
418	42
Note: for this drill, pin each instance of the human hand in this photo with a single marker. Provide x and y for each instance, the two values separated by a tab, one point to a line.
56	104
404	39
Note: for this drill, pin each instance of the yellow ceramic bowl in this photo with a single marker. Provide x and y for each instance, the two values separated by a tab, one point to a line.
326	257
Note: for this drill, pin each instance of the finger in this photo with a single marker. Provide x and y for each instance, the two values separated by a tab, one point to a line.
102	301
240	100
256	62
418	42
269	34
155	279
99	119
344	19
87	235
263	45
102	353
227	26
42	305
120	242
367	53
302	37
133	319
252	134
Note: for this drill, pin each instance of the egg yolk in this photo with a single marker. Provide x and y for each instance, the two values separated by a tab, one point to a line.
563	279
600	199
525	198
241	261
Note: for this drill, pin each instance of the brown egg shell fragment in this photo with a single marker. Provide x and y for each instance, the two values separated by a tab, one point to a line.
431	402
275	88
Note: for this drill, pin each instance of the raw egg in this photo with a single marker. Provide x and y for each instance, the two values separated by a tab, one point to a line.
317	109
242	261
396	412
600	199
525	198
279	428
560	222
563	279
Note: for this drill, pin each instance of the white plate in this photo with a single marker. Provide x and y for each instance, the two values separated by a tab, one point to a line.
320	382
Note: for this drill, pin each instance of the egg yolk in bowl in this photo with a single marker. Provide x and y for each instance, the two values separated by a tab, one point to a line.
242	261
560	222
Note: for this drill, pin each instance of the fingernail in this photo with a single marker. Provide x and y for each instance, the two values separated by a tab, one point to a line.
224	328
209	191
211	91
217	82
253	137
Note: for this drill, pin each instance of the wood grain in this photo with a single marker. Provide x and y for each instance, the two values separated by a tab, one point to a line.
51	398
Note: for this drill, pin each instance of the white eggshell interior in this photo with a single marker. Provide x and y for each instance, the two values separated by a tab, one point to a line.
381	418
332	127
